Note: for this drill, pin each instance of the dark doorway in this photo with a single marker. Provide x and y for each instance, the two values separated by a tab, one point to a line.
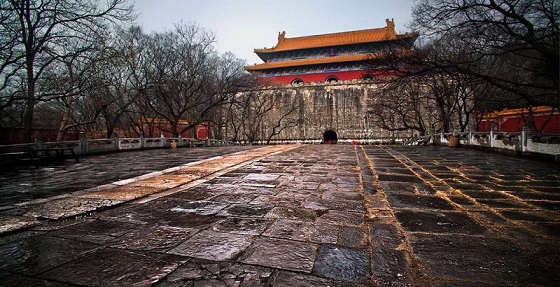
330	137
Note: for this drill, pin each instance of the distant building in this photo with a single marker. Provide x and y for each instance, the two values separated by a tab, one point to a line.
353	55
536	119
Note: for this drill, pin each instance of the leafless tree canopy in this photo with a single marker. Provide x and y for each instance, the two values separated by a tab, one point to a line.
473	56
513	45
35	34
67	64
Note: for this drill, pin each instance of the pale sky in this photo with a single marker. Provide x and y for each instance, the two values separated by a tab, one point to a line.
243	25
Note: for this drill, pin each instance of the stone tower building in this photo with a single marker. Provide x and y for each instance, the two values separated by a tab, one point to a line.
324	86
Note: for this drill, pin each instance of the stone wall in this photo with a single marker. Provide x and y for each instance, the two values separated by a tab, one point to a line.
341	107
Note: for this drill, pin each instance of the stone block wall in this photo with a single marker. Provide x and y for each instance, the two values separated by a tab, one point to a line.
341	107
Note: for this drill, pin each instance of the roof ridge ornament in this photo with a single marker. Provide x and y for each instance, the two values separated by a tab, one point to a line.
390	23
281	36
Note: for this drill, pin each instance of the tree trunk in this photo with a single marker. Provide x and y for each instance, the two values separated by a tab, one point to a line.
67	106
31	101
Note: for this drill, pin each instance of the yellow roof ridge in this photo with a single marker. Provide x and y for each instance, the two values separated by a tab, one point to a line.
334	39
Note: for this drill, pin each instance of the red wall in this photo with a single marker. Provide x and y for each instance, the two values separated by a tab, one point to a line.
515	124
322	77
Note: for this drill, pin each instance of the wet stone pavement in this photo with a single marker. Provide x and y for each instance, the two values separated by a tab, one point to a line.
299	215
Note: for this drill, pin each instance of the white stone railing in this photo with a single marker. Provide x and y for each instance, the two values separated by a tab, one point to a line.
522	143
91	146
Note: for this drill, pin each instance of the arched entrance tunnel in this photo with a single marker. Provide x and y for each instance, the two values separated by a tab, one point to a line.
330	137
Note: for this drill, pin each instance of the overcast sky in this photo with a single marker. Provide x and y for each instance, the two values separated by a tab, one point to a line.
243	25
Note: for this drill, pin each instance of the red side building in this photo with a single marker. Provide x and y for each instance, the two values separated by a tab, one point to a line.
354	55
542	119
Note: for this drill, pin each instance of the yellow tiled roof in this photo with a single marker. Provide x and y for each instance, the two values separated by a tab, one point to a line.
314	61
517	112
334	39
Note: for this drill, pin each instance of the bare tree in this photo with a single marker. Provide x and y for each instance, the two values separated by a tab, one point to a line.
403	107
39	28
513	45
181	77
283	115
253	108
261	114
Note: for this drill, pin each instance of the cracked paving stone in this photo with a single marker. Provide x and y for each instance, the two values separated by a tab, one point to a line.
199	272
35	255
213	245
280	253
115	267
342	263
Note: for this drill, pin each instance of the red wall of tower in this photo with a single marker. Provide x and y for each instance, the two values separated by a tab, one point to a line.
322	77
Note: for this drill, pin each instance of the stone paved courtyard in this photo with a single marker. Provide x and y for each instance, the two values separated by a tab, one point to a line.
298	215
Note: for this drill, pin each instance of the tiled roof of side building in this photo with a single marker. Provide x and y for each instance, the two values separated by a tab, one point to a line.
334	39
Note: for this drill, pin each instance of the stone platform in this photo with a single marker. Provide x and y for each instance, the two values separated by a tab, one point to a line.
297	215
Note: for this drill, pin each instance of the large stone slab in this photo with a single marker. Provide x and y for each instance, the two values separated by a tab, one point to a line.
115	267
35	255
438	222
280	253
213	245
418	201
485	260
198	272
304	231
